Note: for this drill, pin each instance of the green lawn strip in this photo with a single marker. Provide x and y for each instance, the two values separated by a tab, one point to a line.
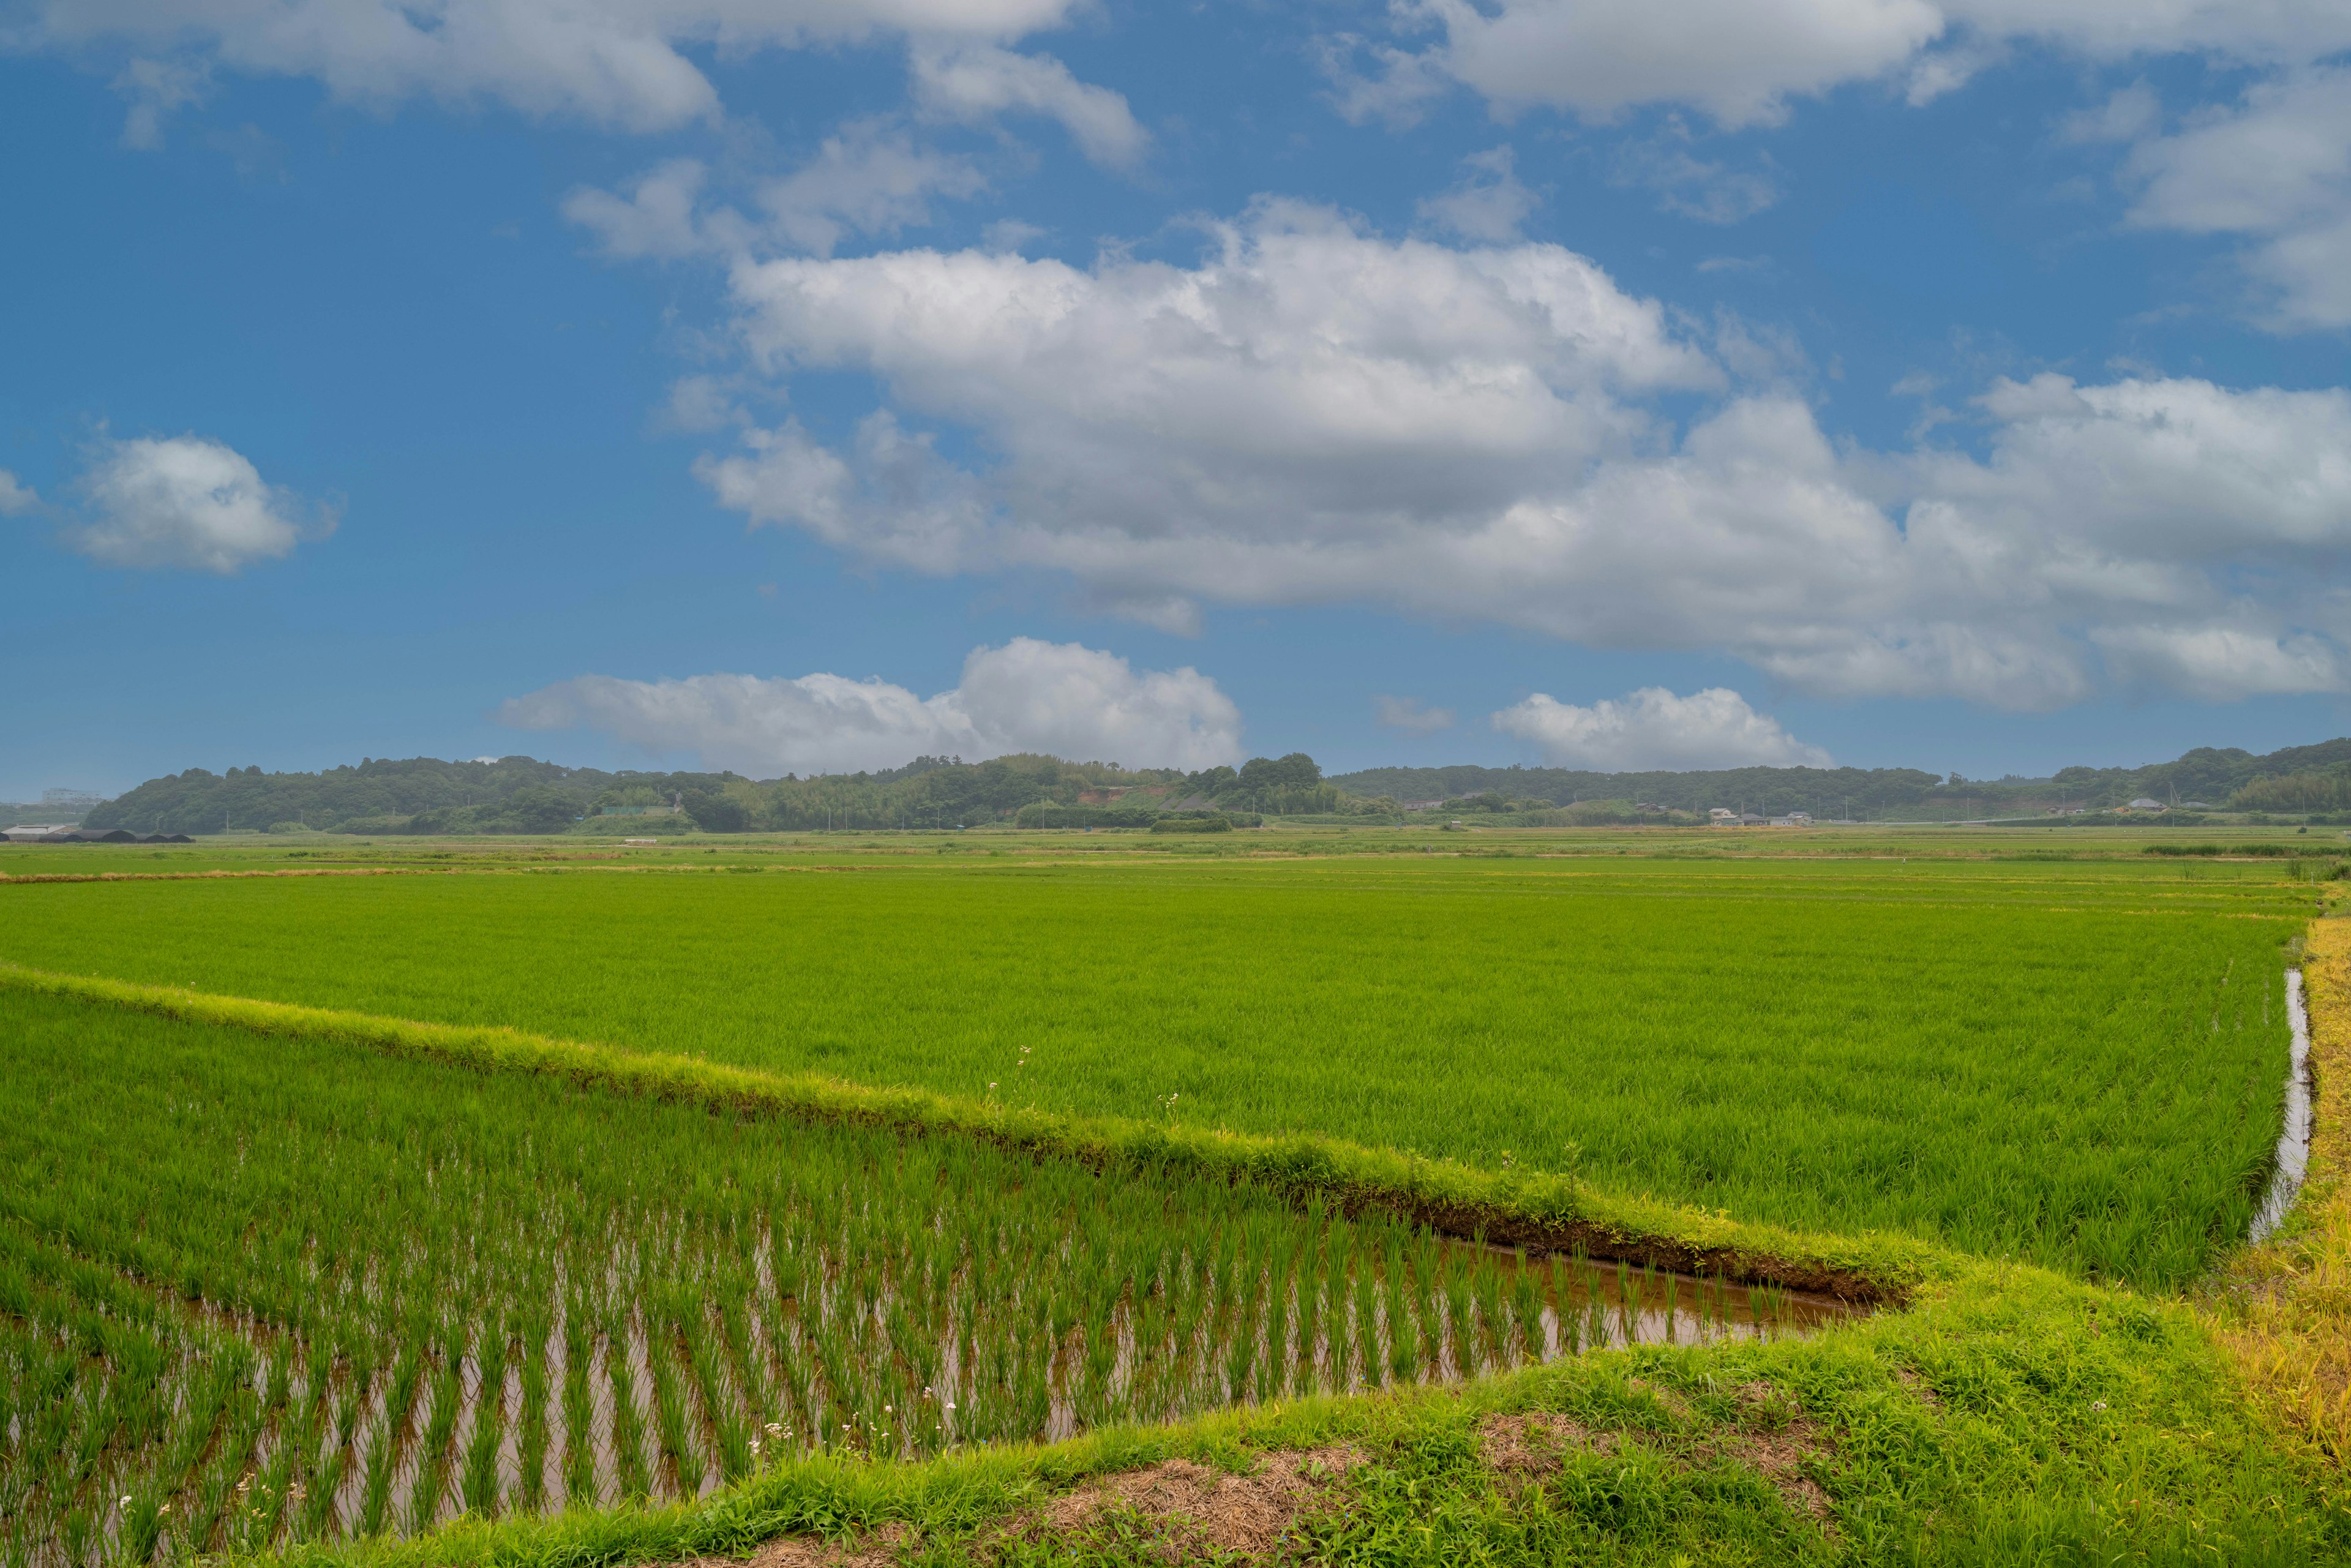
2010	1416
1508	1208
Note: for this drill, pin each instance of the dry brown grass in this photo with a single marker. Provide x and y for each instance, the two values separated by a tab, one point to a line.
1194	1513
2284	1309
878	1549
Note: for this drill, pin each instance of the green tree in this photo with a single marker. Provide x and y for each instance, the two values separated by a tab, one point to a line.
715	813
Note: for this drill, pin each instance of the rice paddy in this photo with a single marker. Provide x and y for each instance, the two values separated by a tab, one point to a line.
262	1290
258	1290
1954	1054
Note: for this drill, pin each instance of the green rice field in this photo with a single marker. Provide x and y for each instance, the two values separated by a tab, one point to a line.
265	1288
1953	1053
270	1289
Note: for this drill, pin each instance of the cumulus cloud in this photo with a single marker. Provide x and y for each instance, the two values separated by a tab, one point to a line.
1487	203
15	496
1406	714
972	82
1739	61
1653	728
870	177
1027	695
655	219
1314	414
156	91
616	62
2277	168
1706	188
183	501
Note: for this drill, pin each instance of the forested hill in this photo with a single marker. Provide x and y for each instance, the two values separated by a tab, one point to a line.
2297	778
522	795
419	794
1824	792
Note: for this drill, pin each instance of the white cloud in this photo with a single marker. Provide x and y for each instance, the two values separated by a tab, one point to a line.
1739	61
1408	714
15	496
2220	663
1027	695
656	219
2277	169
1316	414
1487	203
870	177
184	501
1653	728
973	82
1708	190
617	62
156	90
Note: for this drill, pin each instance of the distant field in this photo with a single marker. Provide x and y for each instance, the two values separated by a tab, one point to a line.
2076	1064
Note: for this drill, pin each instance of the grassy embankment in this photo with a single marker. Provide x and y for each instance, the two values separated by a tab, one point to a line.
2283	1308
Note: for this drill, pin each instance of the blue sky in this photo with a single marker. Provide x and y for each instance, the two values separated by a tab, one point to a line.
802	384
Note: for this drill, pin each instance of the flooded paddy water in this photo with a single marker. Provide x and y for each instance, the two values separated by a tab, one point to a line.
307	1445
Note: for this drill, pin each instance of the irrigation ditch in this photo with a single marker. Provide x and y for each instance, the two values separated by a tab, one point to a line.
2293	1137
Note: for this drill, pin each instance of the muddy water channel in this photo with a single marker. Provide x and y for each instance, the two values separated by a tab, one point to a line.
2293	1137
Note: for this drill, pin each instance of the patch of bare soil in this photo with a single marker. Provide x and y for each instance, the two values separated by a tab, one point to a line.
1196	1512
1775	1448
878	1549
1774	1439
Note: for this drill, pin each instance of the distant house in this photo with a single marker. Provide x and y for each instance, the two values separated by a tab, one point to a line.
1721	815
1422	805
1193	803
1647	806
2144	804
26	832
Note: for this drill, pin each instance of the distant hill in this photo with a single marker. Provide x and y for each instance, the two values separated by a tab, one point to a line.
523	795
419	794
2320	776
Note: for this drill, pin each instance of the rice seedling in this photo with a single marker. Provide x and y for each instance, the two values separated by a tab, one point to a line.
338	1293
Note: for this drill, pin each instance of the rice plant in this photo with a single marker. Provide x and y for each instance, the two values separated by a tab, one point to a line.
272	1290
2076	1064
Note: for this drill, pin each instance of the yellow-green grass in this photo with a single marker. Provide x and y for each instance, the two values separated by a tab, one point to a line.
2076	1065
